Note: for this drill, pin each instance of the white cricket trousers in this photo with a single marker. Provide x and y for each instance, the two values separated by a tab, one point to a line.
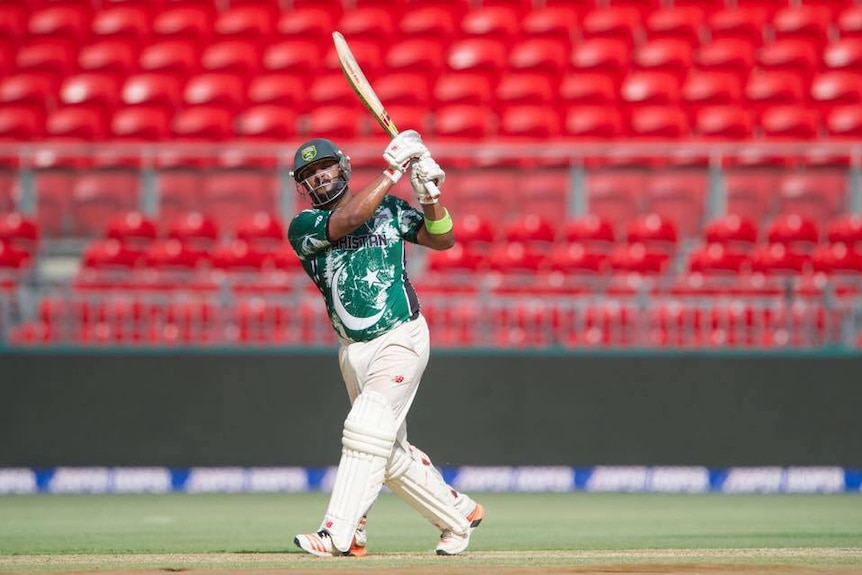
391	365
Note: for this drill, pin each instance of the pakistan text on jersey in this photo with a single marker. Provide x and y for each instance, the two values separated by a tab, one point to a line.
357	242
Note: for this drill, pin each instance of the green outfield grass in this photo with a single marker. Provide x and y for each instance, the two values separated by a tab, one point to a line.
256	530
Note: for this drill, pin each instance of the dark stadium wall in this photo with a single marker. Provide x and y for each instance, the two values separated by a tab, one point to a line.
267	408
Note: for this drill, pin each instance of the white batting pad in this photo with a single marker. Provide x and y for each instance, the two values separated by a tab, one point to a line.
412	477
369	434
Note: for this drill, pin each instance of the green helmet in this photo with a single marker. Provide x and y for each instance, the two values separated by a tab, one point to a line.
312	152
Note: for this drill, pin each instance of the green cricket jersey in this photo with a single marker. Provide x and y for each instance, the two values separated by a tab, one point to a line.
362	276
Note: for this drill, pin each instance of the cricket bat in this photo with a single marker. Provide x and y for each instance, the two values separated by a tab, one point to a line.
362	87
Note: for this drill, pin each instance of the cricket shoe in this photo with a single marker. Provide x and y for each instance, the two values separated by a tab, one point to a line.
320	545
452	543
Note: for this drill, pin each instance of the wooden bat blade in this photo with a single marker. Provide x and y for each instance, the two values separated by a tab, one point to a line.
360	84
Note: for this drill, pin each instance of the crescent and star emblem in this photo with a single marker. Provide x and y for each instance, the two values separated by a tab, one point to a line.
349	320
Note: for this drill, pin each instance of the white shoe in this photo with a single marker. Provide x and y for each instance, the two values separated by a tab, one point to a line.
452	543
320	543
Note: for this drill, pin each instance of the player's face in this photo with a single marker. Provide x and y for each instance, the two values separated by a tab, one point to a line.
324	181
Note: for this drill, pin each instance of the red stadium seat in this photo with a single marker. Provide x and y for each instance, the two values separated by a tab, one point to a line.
434	22
416	55
620	23
231	57
220	90
175	56
668	55
69	23
526	89
837	258
262	230
745	23
404	88
836	88
710	89
194	229
732	230
723	123
466	88
474	229
556	23
779	259
498	22
160	91
516	257
793	56
651	88
368	21
654	231
846	229
72	123
845	122
718	258
527	121
849	22
588	88
789	122
590	230
19	123
818	193
134	228
664	122
140	123
97	92
330	89
202	124
31	90
52	57
464	121
248	23
110	254
606	55
807	22
487	56
20	232
116	58
127	23
843	54
683	23
540	55
335	122
793	230
529	228
13	22
187	22
299	57
278	89
237	255
726	55
266	123
764	89
637	258
593	122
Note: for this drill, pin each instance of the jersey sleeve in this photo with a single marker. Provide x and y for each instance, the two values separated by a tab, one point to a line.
307	232
410	220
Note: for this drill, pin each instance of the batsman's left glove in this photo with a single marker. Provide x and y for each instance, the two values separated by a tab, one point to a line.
424	171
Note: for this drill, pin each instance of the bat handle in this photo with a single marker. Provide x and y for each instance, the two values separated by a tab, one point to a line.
432	189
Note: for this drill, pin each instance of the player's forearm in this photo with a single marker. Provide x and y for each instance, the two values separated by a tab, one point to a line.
361	206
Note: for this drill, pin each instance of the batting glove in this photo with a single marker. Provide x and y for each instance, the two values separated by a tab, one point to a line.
427	171
406	146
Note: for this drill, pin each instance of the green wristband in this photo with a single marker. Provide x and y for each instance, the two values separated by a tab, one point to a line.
441	226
